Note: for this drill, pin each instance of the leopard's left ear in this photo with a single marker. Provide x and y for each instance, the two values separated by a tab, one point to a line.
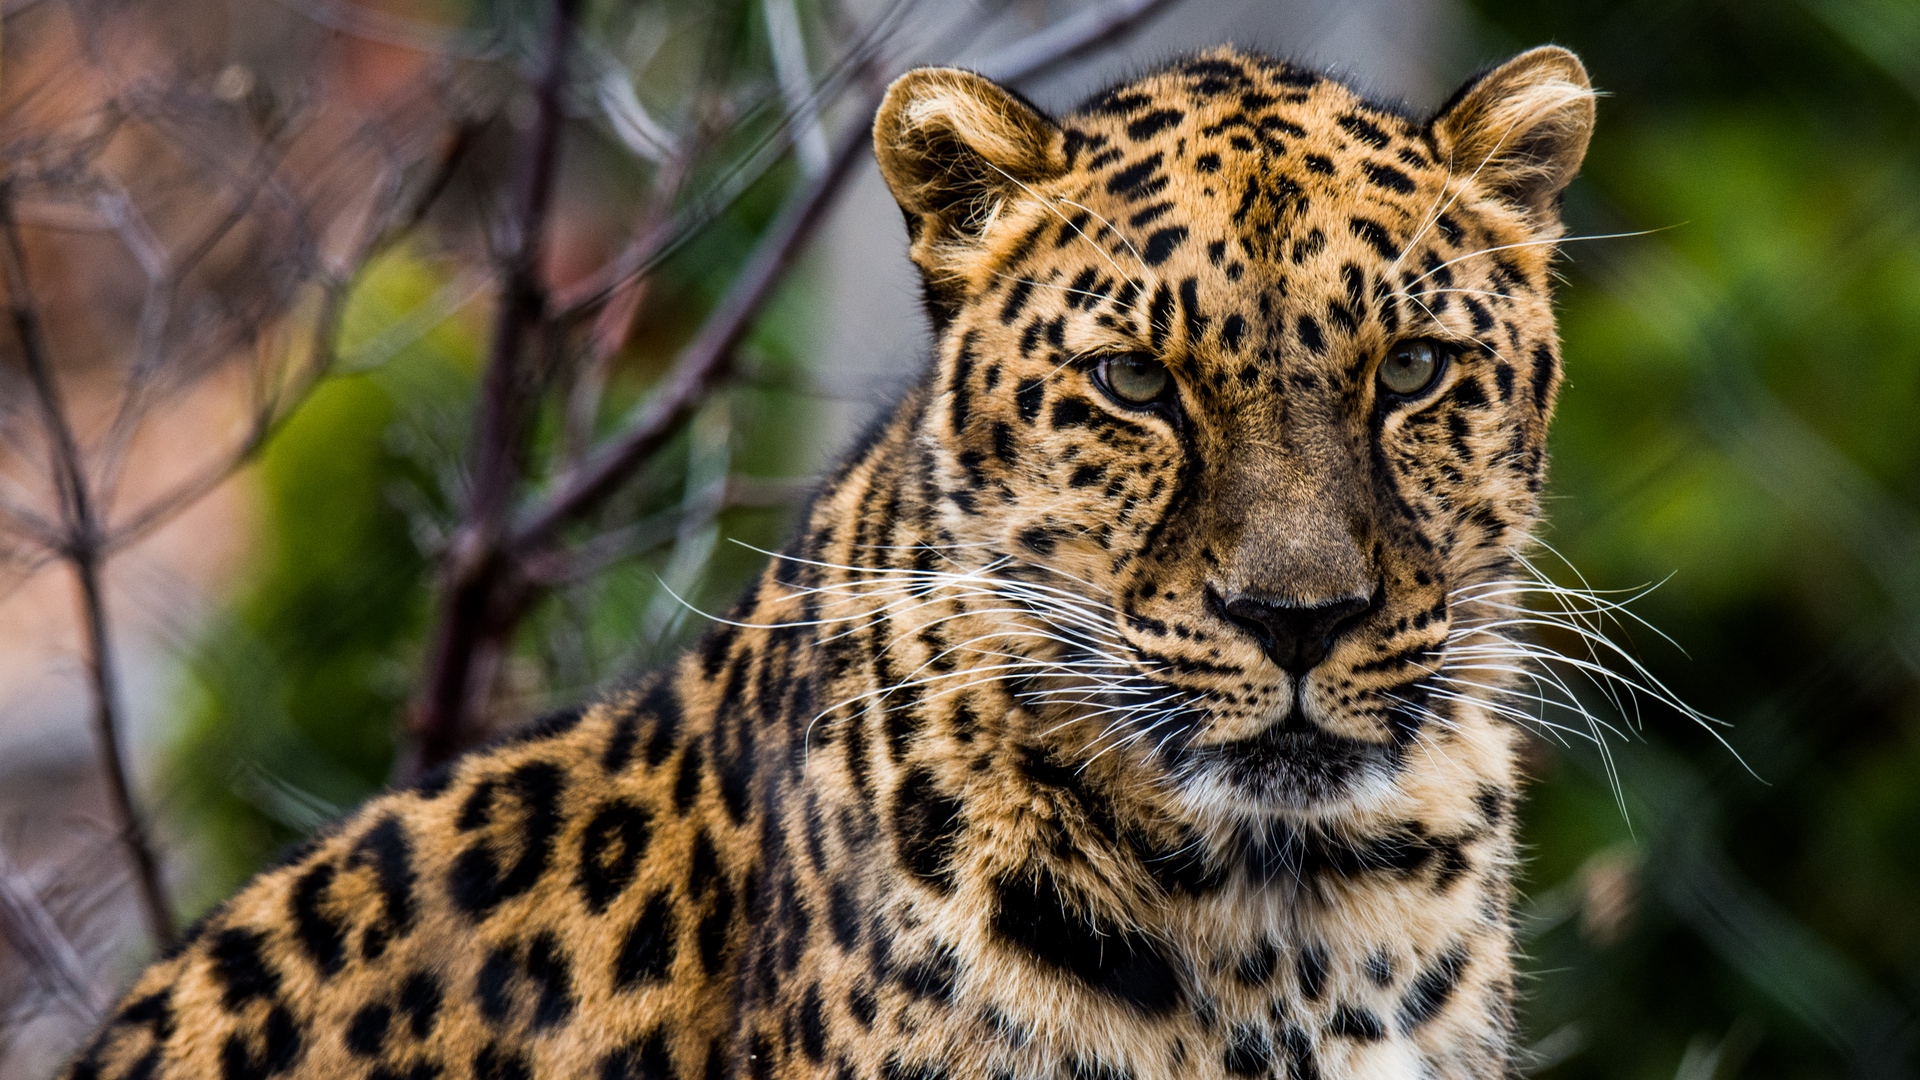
1521	130
954	147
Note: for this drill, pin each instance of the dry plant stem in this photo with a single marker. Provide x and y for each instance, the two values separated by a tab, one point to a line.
478	575
83	547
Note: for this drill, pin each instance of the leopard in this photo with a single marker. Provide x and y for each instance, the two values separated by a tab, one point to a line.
1111	715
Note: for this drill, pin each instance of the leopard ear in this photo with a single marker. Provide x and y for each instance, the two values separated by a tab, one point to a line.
954	146
1521	130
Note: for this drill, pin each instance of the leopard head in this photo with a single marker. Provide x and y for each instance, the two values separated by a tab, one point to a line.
1247	380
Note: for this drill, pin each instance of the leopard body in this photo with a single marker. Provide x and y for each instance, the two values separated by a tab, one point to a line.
1074	736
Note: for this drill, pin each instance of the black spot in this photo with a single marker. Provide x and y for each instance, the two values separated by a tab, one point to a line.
662	704
619	749
548	967
1004	446
155	1011
861	1005
1140	219
1310	969
1159	315
498	1062
1379	968
1163	243
1363	130
386	849
813	1025
1153	123
281	1048
1040	539
1544	367
1376	236
1307	247
1230	331
1300	1053
610	850
1257	967
647	1059
321	937
477	882
1388	177
932	976
686	783
1195	321
1033	916
1137	181
1432	988
1310	335
239	962
1116	103
367	1031
1503	378
1087	476
1071	412
1028	396
1207	163
1354	1022
420	1000
493	985
1492	803
1248	1052
1320	164
927	826
647	950
843	916
1017	298
712	932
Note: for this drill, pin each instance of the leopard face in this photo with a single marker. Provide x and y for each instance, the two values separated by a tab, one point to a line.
1250	378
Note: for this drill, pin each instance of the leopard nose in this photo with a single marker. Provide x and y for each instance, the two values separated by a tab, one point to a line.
1296	636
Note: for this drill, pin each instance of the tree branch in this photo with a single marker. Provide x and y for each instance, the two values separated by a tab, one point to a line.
476	569
705	359
82	548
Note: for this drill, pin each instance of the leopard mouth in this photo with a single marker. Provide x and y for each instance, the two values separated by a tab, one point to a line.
1293	764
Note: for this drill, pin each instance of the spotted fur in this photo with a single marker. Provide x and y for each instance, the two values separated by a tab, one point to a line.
1074	737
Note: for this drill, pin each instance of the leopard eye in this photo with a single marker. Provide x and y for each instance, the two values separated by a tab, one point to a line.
1134	379
1410	367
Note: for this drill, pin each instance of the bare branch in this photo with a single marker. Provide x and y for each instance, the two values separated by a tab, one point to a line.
475	567
83	549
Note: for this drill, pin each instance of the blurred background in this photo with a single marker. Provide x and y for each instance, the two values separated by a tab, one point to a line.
377	375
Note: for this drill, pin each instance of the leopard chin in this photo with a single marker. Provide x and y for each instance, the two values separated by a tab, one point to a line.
1292	765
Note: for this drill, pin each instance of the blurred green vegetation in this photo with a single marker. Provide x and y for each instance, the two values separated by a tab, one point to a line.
1741	423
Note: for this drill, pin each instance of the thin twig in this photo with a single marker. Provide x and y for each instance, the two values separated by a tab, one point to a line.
82	548
26	924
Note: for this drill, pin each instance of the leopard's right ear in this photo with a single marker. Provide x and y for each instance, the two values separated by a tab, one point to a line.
954	147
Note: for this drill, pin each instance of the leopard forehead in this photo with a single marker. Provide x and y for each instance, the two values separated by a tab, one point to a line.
1233	209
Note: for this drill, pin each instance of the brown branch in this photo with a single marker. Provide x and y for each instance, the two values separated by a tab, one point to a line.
704	361
82	548
477	571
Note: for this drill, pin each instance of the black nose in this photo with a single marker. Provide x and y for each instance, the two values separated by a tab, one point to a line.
1295	636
